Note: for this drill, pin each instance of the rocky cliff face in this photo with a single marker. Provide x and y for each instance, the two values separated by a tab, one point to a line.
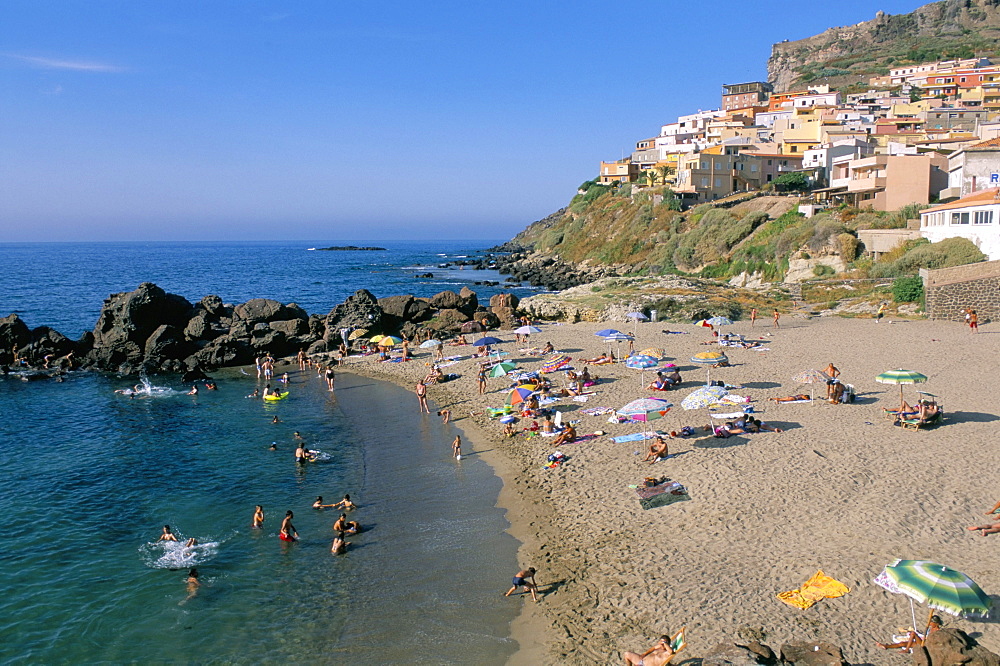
850	54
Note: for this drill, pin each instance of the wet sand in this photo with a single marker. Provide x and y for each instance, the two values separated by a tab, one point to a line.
841	489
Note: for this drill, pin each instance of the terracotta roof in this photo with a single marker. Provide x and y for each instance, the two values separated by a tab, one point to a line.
975	199
989	143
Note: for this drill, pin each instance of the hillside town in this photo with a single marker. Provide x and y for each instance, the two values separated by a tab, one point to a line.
925	134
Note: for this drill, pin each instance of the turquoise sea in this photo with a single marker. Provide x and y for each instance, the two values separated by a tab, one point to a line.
91	476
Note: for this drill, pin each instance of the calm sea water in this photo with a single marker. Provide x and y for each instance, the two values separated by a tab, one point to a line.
63	285
90	477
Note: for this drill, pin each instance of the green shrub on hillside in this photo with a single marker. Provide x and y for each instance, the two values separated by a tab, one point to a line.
908	289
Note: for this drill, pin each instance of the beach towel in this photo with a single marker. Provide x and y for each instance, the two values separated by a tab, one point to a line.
728	415
733	399
820	586
580	398
596	411
446	364
634	437
662	494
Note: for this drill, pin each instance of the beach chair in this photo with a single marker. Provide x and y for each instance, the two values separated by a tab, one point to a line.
917	424
677	643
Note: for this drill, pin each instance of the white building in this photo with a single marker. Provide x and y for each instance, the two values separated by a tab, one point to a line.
976	217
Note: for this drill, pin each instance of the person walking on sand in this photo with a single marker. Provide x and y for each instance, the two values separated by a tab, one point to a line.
880	313
777	316
973	322
526	579
658	655
421	391
481	378
456	447
753	316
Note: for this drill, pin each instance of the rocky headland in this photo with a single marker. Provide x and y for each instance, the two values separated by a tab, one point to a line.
150	330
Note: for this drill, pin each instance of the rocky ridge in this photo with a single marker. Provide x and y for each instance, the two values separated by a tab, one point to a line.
150	330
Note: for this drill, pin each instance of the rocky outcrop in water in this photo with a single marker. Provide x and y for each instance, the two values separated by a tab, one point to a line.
153	331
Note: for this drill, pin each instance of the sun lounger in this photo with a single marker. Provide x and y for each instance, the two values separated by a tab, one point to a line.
917	424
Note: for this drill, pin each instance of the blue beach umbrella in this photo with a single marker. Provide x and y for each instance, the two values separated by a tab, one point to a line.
641	362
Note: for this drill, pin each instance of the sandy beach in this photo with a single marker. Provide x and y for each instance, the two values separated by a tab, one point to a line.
841	489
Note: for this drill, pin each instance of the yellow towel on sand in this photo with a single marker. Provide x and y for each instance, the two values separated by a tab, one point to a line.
818	587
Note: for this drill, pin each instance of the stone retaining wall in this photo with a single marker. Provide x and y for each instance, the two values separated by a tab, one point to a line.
949	291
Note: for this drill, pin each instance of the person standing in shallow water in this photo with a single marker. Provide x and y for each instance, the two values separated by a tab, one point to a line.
456	447
421	392
287	531
258	518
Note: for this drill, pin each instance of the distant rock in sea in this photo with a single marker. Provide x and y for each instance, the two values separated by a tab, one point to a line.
336	248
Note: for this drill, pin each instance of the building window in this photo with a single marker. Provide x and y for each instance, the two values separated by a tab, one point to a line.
983	217
959	218
704	182
753	168
793	149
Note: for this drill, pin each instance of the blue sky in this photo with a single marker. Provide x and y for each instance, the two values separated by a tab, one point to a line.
224	120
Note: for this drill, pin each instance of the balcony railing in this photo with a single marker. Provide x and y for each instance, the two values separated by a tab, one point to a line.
865	184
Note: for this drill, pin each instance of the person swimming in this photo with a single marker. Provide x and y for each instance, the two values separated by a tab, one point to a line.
339	546
167	535
344	525
258	518
346	504
318	504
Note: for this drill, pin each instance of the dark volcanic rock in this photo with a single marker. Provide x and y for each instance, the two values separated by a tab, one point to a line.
213	305
360	310
448	320
131	317
739	655
446	300
13	333
259	310
812	654
953	646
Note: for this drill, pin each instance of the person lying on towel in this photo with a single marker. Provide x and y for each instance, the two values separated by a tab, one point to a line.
792	398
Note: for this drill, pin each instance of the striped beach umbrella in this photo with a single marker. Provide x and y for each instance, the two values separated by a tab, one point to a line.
376	338
811	377
641	362
389	341
554	362
645	409
502	369
655	352
519	395
939	587
901	377
709	359
357	333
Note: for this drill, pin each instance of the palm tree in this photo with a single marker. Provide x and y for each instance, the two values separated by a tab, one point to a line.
665	172
650	177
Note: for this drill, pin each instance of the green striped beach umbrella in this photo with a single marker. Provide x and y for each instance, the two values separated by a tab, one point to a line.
901	377
939	587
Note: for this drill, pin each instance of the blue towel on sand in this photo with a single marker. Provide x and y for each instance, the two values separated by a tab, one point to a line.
634	437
